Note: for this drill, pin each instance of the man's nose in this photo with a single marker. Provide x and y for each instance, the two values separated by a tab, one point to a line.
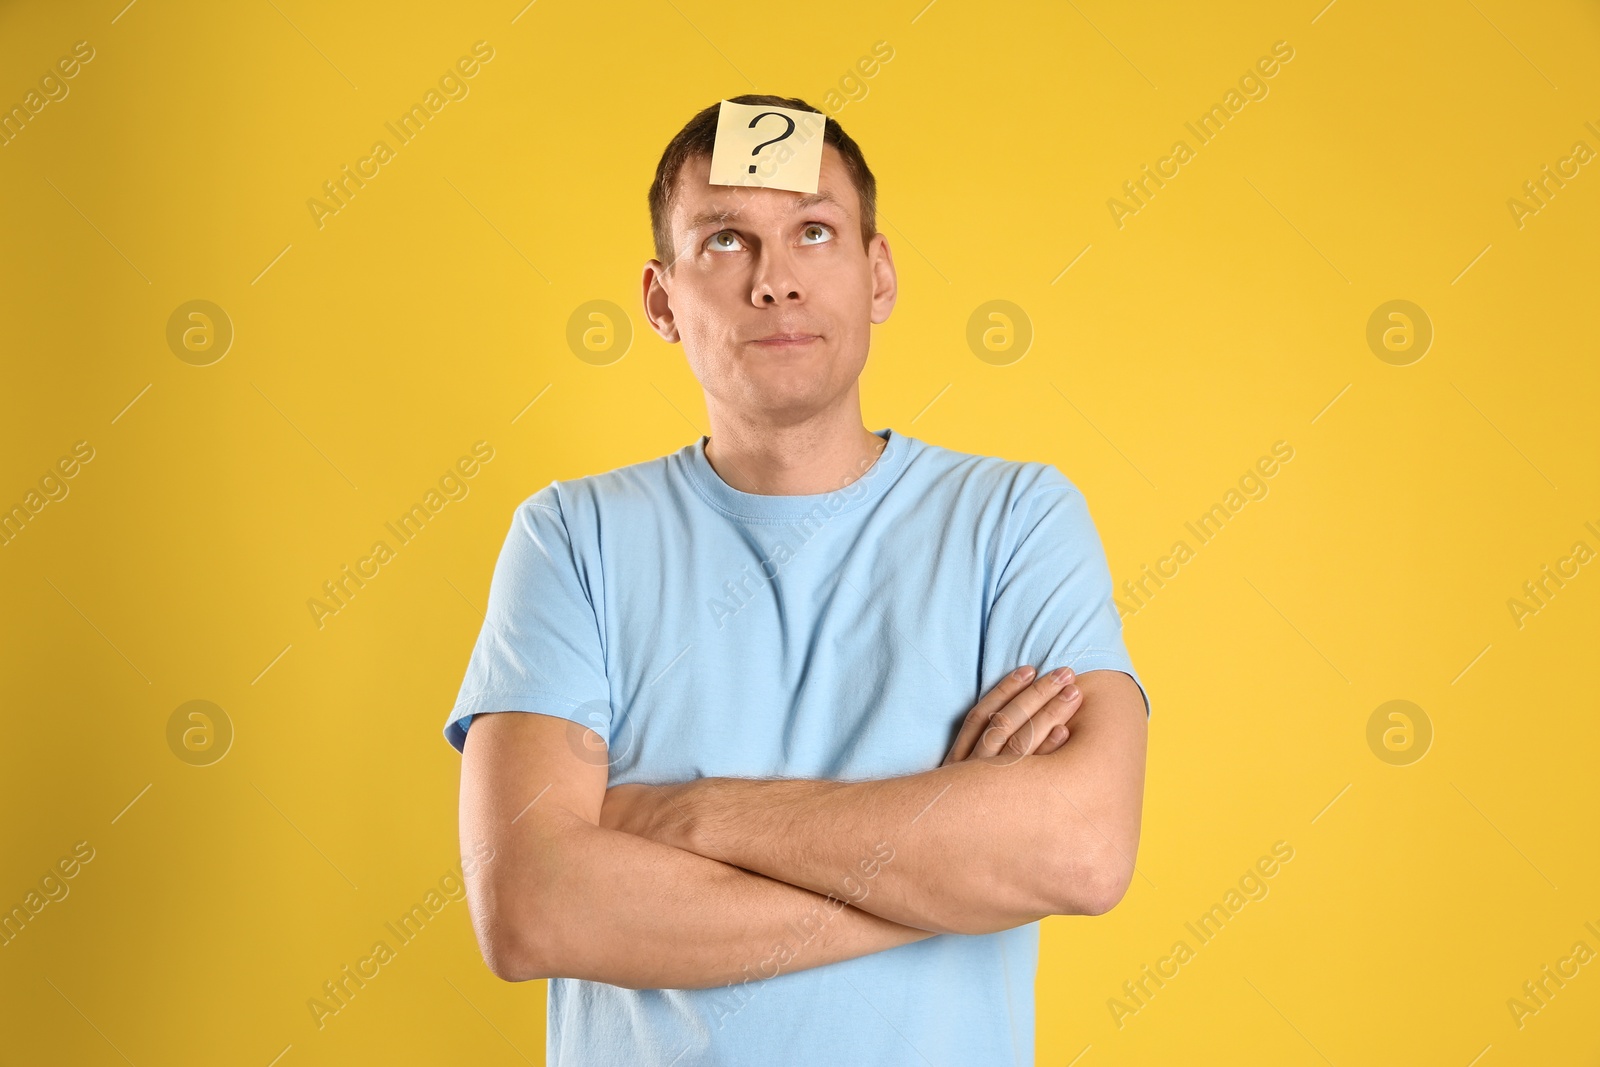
775	280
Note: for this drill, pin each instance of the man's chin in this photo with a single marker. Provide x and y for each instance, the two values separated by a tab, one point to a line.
785	403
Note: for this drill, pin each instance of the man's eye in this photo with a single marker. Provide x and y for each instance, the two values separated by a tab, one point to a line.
816	229
726	241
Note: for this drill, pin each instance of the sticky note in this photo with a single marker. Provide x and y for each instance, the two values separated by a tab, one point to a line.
768	147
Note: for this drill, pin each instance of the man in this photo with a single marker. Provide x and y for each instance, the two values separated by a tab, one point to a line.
834	813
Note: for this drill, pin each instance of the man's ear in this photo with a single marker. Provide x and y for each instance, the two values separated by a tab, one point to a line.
885	285
656	306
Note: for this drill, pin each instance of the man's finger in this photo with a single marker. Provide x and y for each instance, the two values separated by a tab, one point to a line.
1022	725
1039	738
1053	740
978	718
1003	712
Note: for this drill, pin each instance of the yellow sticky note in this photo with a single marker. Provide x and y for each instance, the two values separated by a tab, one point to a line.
768	147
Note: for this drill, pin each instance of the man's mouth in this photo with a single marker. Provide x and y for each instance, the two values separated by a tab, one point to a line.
786	340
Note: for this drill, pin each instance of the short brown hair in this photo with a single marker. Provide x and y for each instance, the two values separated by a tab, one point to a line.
699	136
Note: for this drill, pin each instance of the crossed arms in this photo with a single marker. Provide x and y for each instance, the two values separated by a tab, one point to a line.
703	883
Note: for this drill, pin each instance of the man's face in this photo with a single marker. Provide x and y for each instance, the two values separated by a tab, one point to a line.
772	293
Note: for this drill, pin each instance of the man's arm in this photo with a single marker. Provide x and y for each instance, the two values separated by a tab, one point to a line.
983	844
561	897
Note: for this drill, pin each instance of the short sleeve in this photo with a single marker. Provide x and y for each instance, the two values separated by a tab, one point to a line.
540	648
1052	605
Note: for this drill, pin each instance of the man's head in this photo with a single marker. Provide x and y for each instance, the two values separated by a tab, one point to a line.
699	137
772	292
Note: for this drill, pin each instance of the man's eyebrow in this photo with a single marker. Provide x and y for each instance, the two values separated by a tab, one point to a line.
722	216
819	198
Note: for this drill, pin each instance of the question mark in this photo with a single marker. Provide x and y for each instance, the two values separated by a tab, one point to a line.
757	149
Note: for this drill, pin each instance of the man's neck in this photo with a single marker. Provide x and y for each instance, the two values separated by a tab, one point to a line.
799	460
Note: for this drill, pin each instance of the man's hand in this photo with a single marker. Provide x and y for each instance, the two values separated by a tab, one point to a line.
1016	719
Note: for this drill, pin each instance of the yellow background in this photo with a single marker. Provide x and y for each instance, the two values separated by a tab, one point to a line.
1228	314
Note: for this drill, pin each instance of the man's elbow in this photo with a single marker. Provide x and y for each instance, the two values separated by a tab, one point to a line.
512	920
1095	884
1108	888
509	967
524	937
508	952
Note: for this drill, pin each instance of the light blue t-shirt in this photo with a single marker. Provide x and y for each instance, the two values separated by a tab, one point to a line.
704	632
